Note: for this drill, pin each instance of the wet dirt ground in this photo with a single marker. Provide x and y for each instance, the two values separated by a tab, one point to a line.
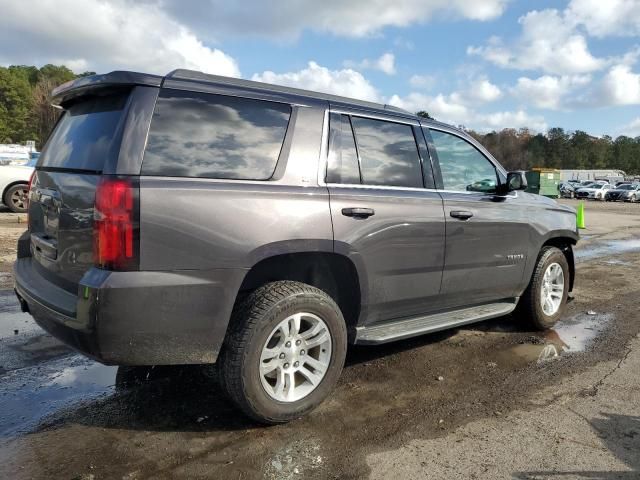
64	416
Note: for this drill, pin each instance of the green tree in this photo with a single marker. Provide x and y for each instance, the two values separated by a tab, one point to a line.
424	114
15	106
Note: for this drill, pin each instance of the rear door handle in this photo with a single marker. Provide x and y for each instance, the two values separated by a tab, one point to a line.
358	212
461	214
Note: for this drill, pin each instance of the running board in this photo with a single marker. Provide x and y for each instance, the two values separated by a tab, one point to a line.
399	329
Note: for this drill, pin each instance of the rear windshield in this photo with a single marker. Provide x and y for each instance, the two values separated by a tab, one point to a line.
215	136
87	135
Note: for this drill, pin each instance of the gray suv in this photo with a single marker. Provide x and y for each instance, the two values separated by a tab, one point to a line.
193	219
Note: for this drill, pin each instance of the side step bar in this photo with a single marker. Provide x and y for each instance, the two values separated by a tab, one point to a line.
411	327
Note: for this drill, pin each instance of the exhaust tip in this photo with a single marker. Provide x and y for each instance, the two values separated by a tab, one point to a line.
24	306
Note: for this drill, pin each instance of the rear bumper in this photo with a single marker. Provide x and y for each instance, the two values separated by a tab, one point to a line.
135	318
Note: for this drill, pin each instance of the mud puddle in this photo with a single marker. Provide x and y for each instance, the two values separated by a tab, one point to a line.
27	395
572	335
611	247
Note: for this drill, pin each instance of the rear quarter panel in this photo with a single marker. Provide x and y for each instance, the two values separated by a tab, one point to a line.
193	223
200	224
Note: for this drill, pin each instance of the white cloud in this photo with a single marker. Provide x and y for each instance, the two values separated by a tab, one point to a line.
354	18
100	36
632	129
606	18
422	81
516	119
548	42
548	91
346	82
482	91
620	86
386	63
447	109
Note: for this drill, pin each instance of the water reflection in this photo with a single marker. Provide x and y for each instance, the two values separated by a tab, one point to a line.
29	394
612	247
571	335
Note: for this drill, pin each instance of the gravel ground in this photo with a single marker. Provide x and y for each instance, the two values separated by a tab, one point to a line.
502	408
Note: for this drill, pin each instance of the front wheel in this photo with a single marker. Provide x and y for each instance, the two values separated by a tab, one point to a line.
544	300
284	352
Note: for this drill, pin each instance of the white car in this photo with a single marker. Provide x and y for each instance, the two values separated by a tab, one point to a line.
14	185
595	191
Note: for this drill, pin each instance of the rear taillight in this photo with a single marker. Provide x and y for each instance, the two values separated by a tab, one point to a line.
116	226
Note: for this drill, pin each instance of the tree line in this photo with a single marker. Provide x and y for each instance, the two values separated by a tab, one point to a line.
26	114
523	150
25	101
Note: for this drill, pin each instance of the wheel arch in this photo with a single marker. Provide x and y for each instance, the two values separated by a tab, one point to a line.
331	272
565	244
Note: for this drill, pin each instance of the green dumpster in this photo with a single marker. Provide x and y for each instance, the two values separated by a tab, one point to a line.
544	181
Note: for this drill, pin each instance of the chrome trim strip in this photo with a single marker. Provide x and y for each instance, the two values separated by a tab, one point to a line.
324	152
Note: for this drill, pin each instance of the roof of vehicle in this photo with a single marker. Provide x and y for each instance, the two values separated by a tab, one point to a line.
80	86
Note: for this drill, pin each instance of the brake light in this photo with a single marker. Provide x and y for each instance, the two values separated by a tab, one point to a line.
115	224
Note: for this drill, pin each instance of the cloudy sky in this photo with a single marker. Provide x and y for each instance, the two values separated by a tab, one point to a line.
485	64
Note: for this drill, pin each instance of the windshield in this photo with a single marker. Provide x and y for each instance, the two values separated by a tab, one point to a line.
625	187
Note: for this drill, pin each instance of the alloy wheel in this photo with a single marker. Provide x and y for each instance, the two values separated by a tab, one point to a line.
552	290
295	357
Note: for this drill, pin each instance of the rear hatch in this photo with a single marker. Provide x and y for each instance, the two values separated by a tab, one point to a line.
61	208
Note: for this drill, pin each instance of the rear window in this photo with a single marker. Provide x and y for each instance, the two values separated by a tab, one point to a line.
215	136
87	135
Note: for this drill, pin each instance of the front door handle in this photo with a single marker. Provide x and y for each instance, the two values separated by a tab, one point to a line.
358	212
461	214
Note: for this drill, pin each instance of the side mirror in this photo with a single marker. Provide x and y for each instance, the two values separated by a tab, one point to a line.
516	181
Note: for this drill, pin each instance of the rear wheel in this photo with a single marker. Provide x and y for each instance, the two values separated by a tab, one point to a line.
16	198
284	352
543	302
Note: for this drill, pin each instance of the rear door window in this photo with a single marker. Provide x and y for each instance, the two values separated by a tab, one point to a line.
388	153
215	136
88	134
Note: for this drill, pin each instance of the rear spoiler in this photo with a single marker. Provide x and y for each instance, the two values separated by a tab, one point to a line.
81	86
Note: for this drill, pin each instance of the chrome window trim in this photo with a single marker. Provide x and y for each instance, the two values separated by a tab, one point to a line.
324	151
374	116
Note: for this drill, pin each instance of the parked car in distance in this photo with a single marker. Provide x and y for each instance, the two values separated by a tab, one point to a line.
593	191
14	185
625	192
567	190
265	228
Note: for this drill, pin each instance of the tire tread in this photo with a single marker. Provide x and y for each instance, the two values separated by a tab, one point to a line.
247	314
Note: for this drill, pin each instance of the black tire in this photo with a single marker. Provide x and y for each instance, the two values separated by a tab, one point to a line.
530	306
15	198
252	321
